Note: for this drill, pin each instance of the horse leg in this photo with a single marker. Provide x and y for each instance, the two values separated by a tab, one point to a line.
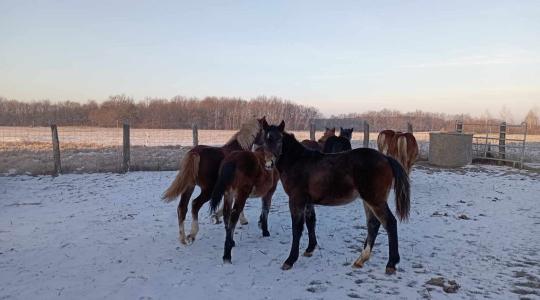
239	203
387	219
217	215
243	219
297	220
310	224
182	211
263	219
195	207
373	225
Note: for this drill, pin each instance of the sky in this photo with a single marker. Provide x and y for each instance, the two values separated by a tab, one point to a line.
339	56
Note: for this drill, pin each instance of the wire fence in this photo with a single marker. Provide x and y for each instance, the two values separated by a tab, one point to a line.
28	150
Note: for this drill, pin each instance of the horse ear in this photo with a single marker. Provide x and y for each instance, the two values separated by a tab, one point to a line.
327	129
281	126
261	120
340	129
334	130
352	129
264	124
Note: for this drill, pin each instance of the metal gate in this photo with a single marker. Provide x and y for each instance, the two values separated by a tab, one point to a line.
502	142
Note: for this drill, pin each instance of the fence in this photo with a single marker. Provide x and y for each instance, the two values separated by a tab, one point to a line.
31	150
503	143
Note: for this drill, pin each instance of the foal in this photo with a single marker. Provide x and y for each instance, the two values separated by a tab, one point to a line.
340	143
200	167
401	146
312	178
244	174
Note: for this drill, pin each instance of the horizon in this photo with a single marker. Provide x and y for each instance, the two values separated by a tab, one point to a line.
460	58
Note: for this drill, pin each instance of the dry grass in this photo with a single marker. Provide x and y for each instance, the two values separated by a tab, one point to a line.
89	149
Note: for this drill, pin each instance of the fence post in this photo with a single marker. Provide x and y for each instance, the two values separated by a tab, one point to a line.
409	127
56	150
312	131
502	140
126	152
195	135
366	134
459	127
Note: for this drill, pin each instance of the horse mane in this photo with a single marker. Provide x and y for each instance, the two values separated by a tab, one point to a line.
246	135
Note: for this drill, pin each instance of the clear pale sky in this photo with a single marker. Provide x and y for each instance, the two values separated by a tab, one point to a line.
339	56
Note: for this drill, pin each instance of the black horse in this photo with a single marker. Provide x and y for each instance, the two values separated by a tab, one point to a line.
339	143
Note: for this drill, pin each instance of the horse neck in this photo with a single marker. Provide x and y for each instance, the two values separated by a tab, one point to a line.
292	150
232	146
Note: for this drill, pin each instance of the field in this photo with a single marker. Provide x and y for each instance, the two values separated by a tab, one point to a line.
89	149
102	236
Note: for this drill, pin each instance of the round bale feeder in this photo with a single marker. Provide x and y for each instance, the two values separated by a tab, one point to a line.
449	149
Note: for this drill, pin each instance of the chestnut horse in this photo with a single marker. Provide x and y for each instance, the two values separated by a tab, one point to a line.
200	167
319	145
339	143
401	146
243	175
312	178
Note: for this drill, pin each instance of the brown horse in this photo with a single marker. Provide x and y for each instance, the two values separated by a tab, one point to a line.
319	145
401	146
244	174
200	167
313	178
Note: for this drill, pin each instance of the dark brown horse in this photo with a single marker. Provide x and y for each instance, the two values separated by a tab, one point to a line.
319	145
339	143
313	178
243	175
401	146
200	167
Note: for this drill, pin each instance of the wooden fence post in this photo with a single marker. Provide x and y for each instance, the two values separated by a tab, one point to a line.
366	134
312	131
195	135
126	152
502	140
56	150
409	127
459	127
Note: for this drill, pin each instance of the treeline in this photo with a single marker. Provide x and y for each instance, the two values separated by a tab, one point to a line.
427	121
178	112
224	113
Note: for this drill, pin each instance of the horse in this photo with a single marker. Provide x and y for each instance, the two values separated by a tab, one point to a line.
339	143
243	175
401	146
200	167
312	178
319	145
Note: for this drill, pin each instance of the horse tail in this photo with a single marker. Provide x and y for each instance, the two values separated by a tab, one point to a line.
186	177
402	154
225	178
402	189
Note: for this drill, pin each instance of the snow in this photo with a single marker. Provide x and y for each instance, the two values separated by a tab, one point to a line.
94	236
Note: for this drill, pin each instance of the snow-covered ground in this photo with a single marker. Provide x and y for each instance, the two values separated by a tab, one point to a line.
94	236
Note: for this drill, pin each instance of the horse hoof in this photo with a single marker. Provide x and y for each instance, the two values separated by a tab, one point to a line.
227	261
308	254
390	270
190	239
286	267
216	220
358	264
182	240
266	234
244	222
